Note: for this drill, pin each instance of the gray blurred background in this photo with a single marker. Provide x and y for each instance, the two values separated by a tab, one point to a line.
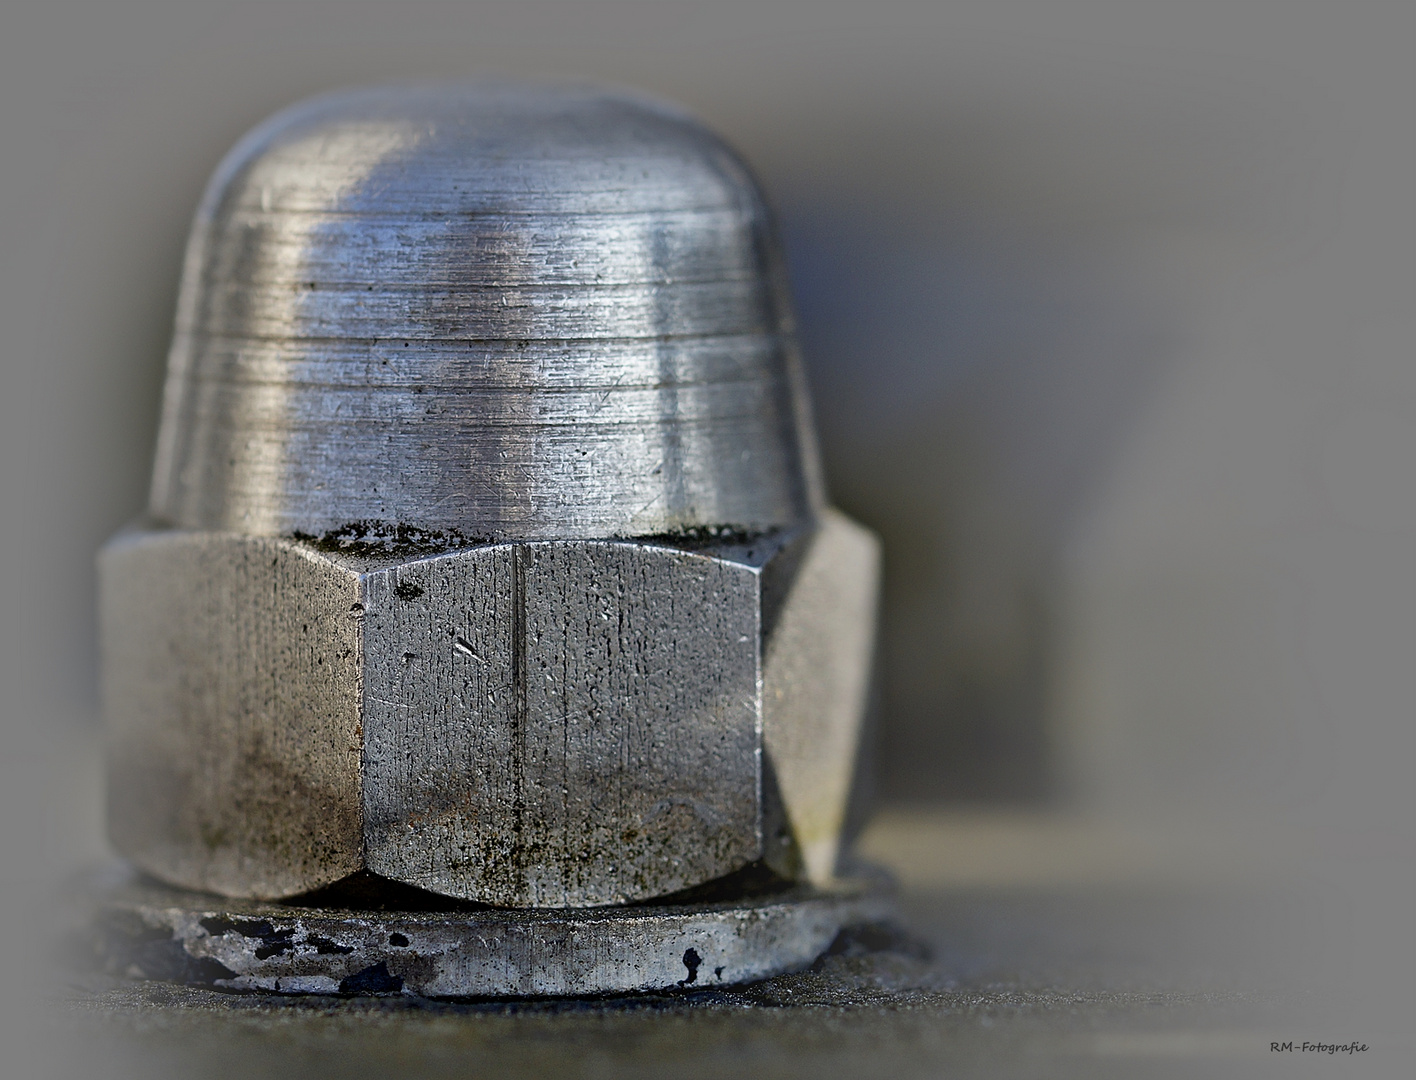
1107	308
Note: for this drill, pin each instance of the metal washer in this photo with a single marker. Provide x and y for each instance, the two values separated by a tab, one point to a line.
151	931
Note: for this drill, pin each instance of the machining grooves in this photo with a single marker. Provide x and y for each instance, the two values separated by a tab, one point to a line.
487	554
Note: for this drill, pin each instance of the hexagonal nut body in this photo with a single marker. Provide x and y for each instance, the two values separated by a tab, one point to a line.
548	724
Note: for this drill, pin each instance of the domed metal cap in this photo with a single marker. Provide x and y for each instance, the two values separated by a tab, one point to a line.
483	313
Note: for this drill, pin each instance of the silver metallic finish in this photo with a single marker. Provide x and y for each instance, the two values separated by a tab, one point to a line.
230	671
562	723
548	724
167	934
488	551
816	667
497	312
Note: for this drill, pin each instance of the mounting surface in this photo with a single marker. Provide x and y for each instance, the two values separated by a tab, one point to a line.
151	931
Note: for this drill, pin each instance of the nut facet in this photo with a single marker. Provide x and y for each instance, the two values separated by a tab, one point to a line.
487	550
550	724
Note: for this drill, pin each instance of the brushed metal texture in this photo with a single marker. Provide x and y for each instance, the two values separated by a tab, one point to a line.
562	724
231	689
498	312
488	550
544	724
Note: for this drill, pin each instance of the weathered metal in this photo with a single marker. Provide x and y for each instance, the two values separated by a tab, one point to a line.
161	933
498	312
487	548
550	724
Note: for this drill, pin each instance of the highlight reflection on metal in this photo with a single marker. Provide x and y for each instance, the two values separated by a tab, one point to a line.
497	312
490	555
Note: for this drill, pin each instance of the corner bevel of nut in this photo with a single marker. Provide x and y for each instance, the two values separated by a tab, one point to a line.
494	723
231	675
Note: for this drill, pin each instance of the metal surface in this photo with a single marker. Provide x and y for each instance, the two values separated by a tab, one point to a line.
488	552
558	723
1060	980
154	932
1079	962
499	312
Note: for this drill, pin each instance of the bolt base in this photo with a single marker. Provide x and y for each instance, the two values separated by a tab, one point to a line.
150	931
